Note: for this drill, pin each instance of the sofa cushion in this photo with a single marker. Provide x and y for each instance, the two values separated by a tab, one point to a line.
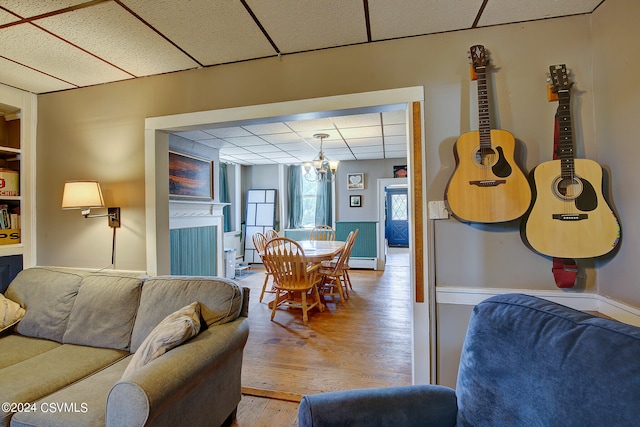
104	311
85	400
15	348
10	313
175	329
41	375
220	302
529	361
47	295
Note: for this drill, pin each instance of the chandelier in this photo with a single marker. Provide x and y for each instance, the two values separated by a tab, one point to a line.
325	169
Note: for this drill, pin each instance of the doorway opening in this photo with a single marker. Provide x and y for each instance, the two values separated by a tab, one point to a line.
157	130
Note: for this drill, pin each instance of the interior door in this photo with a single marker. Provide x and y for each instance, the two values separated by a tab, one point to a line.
397	217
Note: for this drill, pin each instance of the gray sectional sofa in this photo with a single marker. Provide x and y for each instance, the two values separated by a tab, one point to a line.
63	364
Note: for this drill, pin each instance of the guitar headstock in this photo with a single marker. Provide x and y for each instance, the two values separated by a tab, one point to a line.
559	78
479	58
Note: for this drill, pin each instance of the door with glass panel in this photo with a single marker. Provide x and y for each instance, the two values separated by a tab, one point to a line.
397	217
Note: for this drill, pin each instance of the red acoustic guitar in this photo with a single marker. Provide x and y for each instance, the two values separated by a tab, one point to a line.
487	186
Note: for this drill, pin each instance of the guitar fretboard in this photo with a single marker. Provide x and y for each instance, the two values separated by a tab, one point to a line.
484	118
565	146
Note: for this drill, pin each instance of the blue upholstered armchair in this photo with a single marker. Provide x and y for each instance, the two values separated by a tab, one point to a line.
525	362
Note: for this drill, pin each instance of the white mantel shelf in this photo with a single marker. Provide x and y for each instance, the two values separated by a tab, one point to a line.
192	208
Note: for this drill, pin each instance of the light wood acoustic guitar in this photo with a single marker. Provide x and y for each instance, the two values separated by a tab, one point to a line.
486	186
569	216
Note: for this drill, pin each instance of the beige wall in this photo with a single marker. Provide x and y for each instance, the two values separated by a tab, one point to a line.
616	61
97	133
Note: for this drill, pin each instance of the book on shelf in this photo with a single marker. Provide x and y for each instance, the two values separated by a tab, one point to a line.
9	220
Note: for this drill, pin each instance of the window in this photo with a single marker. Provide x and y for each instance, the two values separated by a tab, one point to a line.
399	207
309	197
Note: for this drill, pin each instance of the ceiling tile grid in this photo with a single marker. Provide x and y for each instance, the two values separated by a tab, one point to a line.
119	38
82	43
54	45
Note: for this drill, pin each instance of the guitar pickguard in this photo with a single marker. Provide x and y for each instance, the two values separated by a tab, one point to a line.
502	168
587	201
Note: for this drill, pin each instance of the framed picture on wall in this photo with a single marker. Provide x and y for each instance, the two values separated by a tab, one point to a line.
355	201
355	181
400	171
190	176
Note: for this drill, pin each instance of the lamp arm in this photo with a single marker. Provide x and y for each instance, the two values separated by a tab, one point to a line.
113	214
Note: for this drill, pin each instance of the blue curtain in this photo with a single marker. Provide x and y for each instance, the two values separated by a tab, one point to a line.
295	196
224	196
323	203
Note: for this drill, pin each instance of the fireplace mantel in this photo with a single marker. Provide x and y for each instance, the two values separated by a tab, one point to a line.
189	209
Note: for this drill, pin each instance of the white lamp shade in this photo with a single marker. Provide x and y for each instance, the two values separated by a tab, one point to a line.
82	194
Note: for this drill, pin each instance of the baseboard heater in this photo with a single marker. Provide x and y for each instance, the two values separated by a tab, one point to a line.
363	263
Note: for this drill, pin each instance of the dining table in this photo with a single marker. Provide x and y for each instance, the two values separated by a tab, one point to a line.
317	251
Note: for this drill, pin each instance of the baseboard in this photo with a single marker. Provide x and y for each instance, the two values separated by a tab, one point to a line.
579	301
364	263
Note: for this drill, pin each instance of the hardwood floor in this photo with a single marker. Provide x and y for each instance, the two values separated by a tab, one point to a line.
363	343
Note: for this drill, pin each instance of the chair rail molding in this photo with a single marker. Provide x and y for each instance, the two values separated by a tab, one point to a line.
584	301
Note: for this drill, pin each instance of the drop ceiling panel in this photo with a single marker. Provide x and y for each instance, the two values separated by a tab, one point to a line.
362	132
110	32
282	138
245	141
266	149
358	120
5	17
268	128
417	17
229	132
501	11
194	135
233	150
395	139
395	154
31	8
394	117
311	125
41	51
18	76
297	26
212	31
395	130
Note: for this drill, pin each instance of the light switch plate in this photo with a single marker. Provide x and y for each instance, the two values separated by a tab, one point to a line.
438	210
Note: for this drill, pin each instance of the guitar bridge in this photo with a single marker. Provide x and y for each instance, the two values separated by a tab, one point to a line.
488	182
570	217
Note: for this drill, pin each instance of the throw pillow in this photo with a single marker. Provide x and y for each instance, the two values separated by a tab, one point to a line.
10	313
175	329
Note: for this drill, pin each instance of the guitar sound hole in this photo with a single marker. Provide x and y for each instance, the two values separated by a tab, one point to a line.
485	157
568	188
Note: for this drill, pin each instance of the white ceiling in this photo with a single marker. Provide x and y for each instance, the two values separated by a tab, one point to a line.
55	45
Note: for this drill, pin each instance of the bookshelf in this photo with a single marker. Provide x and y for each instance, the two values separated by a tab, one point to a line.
10	195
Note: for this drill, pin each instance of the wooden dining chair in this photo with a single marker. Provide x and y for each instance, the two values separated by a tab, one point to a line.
259	242
333	278
271	234
345	267
322	232
295	280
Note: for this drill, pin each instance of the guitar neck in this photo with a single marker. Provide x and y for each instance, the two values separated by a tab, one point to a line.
566	155
484	117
